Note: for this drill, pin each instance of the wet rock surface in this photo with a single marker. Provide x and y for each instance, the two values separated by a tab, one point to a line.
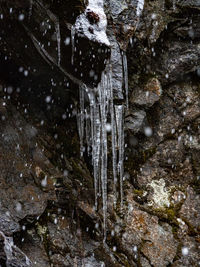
47	214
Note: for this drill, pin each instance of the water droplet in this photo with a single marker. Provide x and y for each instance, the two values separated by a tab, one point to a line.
67	41
185	251
21	17
48	99
148	131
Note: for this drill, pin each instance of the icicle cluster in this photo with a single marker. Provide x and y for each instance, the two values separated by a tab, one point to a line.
101	116
93	127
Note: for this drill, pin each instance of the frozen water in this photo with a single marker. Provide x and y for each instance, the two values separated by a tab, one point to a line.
114	141
119	109
94	122
125	69
93	31
81	123
101	117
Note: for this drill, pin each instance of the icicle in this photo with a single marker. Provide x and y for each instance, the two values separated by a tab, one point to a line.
119	109
57	27
101	105
114	138
125	69
102	90
88	130
81	118
96	149
73	43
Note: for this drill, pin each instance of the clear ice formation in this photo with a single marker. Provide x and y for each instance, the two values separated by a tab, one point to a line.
102	114
93	124
125	69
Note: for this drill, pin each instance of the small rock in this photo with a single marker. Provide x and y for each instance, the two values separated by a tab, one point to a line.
135	121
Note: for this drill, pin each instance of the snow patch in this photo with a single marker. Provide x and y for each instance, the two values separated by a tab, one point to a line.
93	31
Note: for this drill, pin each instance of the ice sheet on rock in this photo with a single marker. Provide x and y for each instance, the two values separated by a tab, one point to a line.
93	31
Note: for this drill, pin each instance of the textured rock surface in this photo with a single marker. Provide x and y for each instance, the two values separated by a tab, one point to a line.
47	215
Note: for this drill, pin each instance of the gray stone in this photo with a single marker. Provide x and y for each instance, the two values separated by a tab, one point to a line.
190	210
135	121
158	245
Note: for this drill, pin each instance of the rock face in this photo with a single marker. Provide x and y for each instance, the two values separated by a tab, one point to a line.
47	214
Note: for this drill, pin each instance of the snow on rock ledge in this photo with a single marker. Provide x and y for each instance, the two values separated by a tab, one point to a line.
93	22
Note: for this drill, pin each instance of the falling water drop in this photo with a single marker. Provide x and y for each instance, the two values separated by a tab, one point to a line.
57	27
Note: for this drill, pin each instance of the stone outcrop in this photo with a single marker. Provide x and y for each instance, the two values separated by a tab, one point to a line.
47	215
